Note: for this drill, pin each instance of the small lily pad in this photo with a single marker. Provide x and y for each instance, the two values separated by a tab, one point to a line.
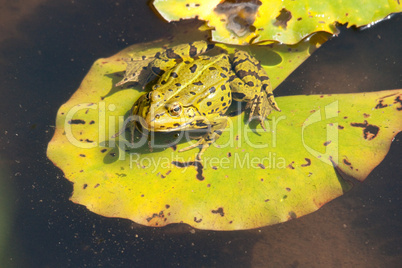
246	22
249	178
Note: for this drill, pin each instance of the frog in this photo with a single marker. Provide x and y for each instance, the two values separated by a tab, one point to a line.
194	91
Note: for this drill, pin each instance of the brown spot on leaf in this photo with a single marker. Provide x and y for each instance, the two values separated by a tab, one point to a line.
292	215
261	166
380	105
155	215
308	162
366	115
369	131
76	122
219	211
291	165
341	127
283	18
398	100
84	186
327	143
346	162
364	124
197	220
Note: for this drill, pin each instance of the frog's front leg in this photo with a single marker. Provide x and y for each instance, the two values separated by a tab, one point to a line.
215	128
251	84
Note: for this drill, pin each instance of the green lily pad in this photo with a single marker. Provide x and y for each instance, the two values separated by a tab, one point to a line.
283	21
248	179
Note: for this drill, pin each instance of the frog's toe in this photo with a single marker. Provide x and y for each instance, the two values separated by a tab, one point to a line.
200	142
190	147
262	123
260	109
204	145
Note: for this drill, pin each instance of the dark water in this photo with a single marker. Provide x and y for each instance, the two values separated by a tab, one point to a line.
45	51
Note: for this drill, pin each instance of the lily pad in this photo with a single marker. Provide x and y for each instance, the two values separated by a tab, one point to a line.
248	179
244	22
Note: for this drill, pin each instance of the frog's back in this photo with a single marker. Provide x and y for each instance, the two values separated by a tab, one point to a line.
201	83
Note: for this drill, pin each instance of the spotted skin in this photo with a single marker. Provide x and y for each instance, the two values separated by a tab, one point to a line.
194	91
251	84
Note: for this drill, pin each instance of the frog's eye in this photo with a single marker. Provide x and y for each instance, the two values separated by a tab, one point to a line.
175	109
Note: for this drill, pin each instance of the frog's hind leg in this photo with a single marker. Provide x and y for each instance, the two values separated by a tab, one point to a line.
169	58
251	84
215	131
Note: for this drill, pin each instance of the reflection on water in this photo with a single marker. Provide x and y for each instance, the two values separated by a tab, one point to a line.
45	52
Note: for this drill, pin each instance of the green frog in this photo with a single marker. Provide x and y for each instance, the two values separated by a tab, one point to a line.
193	92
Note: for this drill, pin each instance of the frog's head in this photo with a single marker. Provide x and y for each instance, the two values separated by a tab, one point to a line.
159	115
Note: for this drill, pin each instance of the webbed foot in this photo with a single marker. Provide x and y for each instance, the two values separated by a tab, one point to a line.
261	106
205	141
